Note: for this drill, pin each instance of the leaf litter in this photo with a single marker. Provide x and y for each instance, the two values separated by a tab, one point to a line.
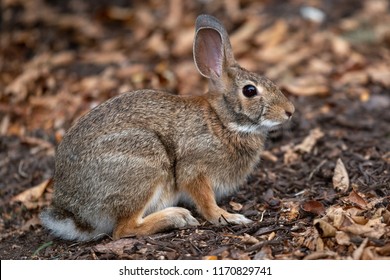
321	190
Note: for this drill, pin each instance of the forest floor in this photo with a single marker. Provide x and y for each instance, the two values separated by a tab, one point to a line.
322	189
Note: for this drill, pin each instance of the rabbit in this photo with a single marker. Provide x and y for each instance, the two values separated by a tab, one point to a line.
122	168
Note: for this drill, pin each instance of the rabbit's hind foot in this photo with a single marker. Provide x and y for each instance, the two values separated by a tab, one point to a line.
168	218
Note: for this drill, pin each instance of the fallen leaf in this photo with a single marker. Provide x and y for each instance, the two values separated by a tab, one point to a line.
32	194
271	236
356	255
340	177
336	215
371	253
249	239
374	228
183	42
324	228
210	258
31	222
290	210
265	253
269	156
319	244
117	247
307	86
272	36
290	156
361	220
356	199
386	217
380	74
314	207
384	250
340	46
245	32
342	238
235	206
353	78
310	141
320	255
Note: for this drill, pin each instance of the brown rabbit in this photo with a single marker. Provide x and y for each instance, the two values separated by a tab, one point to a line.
123	167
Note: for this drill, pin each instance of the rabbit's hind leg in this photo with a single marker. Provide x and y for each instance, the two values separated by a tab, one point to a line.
168	218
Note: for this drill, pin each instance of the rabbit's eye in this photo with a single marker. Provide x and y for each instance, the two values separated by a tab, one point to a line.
249	91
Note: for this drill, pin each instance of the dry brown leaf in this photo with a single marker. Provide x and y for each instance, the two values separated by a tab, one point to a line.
249	239
314	207
269	156
31	222
317	65
290	210
353	78
356	255
126	72
183	42
117	247
119	13
320	255
324	228
374	228
273	35
210	258
271	236
19	87
88	27
371	253
276	55
245	32
340	177
106	57
340	46
342	238
308	86
310	141
157	44
235	206
97	83
291	59
386	216
380	74
264	254
384	250
358	218
319	244
290	156
356	199
32	194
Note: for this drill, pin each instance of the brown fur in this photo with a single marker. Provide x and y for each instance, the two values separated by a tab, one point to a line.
122	166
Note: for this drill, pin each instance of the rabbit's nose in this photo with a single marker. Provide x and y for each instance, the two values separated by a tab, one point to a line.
289	110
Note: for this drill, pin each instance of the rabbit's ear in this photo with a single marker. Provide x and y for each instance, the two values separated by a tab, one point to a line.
212	49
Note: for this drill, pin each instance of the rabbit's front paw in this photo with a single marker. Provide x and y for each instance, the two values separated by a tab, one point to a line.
227	218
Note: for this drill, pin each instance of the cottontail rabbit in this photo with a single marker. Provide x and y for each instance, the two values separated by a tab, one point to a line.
123	166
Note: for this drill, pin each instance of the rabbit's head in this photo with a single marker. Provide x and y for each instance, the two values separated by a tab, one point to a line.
250	102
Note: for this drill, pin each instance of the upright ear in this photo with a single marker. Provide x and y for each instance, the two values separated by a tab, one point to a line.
212	49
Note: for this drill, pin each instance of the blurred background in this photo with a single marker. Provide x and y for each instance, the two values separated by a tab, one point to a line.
59	59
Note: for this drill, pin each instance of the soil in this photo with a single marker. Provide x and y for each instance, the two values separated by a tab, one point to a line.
61	59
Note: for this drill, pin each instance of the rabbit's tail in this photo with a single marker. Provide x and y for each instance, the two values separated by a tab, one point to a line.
66	228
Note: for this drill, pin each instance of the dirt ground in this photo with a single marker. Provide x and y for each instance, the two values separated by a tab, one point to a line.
322	189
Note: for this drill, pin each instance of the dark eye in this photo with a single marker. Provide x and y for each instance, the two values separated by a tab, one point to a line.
249	91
